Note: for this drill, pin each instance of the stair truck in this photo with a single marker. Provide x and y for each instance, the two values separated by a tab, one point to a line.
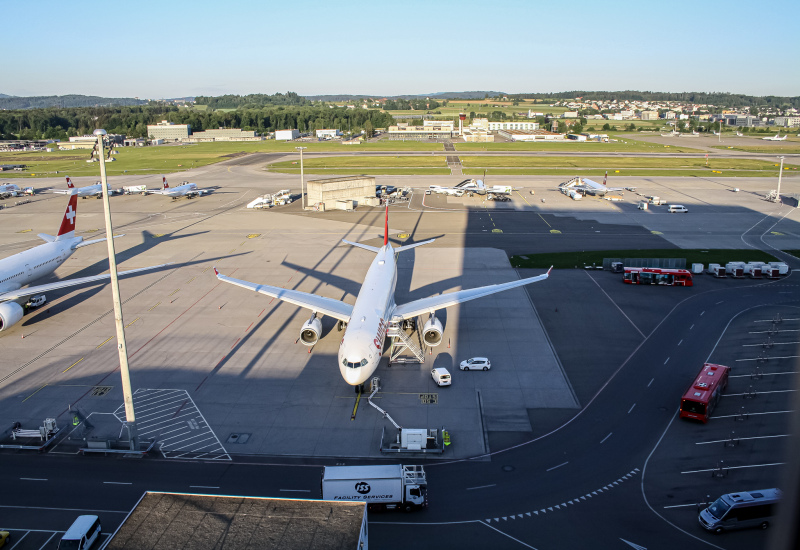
384	487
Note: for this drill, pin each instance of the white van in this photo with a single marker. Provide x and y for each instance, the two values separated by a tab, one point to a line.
676	208
441	376
82	534
740	510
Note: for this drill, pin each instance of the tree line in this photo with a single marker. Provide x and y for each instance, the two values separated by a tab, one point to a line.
42	102
57	123
250	101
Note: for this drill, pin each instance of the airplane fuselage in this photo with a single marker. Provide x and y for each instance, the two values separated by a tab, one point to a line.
180	191
362	345
25	267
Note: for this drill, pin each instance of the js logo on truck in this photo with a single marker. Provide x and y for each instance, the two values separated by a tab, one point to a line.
362	488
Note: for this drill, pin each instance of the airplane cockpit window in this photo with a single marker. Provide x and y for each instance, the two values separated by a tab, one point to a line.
363	362
355	365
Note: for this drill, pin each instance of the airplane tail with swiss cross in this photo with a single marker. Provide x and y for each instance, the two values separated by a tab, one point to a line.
67	229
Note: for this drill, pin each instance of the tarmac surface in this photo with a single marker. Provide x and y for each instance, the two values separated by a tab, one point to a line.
221	382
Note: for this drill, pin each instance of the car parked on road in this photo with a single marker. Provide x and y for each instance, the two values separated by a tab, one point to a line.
476	363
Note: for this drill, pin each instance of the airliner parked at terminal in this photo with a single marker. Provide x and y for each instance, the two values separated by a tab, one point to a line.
95	190
776	137
188	190
368	320
27	266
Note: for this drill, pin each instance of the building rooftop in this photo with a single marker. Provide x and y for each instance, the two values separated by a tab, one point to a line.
172	520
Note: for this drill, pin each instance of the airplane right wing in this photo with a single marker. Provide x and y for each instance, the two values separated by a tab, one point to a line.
430	305
326	306
31	290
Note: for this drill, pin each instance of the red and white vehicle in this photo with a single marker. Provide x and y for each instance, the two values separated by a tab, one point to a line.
657	276
700	399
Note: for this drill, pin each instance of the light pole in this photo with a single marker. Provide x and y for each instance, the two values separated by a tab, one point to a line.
778	198
302	184
130	417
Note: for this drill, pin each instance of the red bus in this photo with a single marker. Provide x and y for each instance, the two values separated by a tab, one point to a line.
657	276
701	397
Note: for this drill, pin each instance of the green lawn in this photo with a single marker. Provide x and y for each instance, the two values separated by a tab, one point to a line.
621	146
568	260
766	149
358	171
615	163
421	161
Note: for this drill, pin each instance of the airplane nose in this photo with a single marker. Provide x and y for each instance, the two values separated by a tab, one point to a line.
353	376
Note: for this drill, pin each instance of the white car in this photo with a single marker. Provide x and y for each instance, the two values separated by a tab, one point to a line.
476	363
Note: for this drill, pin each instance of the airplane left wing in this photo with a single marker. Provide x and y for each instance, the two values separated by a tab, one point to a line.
326	306
31	290
430	305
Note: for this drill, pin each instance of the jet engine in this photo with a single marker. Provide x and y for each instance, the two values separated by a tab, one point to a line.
432	332
10	314
310	332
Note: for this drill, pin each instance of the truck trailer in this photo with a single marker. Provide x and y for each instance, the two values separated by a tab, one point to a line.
384	487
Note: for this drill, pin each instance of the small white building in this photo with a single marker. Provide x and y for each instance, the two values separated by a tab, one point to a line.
286	135
328	134
530	135
519	125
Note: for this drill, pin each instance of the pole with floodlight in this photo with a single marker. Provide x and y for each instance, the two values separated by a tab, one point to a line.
780	173
302	179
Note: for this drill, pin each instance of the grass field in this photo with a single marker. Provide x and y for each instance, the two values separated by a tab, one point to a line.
766	149
616	163
569	260
633	172
622	146
167	158
410	171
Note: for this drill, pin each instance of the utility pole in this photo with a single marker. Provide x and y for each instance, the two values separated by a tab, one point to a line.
302	179
778	198
130	417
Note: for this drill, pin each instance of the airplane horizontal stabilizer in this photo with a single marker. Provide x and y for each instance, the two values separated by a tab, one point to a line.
364	246
95	241
410	246
326	306
430	305
46	238
31	290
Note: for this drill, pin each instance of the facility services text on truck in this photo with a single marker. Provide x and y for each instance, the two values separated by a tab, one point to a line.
382	487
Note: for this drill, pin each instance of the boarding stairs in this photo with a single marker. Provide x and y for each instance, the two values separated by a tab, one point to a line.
402	342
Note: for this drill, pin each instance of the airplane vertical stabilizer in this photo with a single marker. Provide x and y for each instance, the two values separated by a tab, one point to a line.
67	229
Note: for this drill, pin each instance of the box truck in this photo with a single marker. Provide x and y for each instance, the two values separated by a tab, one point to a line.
384	487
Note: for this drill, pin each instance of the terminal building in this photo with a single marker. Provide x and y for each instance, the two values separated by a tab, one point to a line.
169	131
430	129
520	125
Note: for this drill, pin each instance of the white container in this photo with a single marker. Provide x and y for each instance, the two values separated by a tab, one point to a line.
783	268
697	268
712	267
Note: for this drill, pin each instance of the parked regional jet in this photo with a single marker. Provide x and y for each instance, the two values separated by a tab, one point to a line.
587	186
369	319
27	266
95	190
776	137
188	190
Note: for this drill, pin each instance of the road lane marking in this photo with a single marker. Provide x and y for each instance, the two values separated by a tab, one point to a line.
155	306
117	483
615	305
104	343
509	536
632	406
45	542
691	327
703	313
753	414
295	491
651	381
72	365
681	342
679	506
33	479
762	374
740	439
203	487
606	437
34	393
667	361
559	466
735	467
758	392
173	292
779	357
129	324
481	487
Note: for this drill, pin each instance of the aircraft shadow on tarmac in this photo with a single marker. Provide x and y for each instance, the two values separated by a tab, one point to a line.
101	266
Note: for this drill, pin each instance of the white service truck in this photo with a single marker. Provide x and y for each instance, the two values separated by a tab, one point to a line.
384	487
133	189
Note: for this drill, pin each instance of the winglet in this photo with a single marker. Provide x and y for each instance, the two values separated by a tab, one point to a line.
386	226
549	270
216	272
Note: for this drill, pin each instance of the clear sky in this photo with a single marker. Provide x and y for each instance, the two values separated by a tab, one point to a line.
175	48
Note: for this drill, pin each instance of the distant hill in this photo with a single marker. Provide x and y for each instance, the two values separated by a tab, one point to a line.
42	102
437	95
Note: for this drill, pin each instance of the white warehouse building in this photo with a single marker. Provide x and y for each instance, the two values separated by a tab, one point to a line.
286	135
496	126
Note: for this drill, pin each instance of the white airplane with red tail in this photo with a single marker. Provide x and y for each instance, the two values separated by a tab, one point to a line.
27	266
368	320
188	190
95	190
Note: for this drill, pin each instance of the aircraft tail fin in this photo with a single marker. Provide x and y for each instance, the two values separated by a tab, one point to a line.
67	229
605	178
164	182
69	183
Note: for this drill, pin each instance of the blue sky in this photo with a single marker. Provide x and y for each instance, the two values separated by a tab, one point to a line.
179	48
